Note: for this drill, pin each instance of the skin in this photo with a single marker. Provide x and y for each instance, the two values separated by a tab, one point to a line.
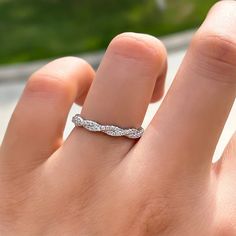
92	184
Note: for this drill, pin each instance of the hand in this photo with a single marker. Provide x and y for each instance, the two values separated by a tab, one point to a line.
93	184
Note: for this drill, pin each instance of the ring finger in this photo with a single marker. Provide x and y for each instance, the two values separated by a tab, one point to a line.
122	89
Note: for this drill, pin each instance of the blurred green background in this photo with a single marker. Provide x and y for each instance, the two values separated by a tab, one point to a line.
37	29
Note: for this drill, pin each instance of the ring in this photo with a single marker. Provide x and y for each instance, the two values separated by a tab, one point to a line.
111	130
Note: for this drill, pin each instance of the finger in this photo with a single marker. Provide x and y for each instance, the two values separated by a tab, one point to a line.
185	130
119	95
37	124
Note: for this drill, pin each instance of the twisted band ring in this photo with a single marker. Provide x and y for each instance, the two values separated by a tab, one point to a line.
110	130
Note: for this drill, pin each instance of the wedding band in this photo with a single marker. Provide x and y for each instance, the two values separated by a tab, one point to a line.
111	130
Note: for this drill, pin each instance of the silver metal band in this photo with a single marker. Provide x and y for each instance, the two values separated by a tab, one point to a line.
111	130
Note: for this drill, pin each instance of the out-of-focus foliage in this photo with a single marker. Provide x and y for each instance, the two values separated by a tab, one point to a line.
31	30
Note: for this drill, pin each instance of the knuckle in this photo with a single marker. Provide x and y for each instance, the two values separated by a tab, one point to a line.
215	56
73	62
216	47
139	47
46	85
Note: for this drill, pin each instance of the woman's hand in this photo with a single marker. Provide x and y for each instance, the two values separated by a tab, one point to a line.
93	184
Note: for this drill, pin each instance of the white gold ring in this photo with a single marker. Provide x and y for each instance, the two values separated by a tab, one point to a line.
111	130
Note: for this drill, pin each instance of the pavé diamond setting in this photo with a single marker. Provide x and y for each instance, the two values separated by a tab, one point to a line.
111	130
